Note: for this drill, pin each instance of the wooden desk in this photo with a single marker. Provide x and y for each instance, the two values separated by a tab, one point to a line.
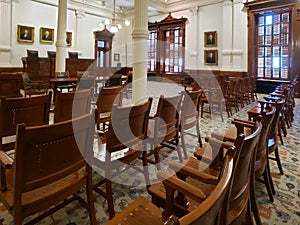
55	82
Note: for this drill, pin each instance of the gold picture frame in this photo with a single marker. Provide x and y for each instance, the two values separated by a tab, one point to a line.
210	39
25	34
211	57
46	35
69	38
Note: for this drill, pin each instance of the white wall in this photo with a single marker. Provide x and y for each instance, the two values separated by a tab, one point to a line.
82	25
39	15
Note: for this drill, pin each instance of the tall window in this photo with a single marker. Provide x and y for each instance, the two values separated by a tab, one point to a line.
166	46
173	55
152	48
273	30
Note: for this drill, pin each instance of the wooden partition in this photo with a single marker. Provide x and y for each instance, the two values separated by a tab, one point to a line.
43	69
10	84
185	76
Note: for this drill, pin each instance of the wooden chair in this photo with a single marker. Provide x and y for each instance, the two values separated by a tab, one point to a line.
115	80
164	128
261	162
213	97
232	94
51	54
273	137
32	53
73	55
189	117
37	179
253	88
239	205
212	154
124	143
33	87
209	212
32	111
106	98
72	104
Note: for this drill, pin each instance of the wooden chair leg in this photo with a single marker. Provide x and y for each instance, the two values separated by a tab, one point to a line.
268	185
182	134
278	160
253	201
109	198
279	132
145	167
156	157
198	133
90	201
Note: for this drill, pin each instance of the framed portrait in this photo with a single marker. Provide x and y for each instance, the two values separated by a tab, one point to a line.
210	39
46	35
116	57
25	34
211	57
69	38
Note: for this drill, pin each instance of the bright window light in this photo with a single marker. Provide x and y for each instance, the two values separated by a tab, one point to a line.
269	20
276	62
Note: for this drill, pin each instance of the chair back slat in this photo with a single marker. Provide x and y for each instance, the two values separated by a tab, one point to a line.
32	111
72	104
128	126
47	153
243	167
168	113
190	105
107	97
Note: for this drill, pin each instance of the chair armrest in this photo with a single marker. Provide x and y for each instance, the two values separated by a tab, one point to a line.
5	161
217	141
242	124
191	172
183	187
245	121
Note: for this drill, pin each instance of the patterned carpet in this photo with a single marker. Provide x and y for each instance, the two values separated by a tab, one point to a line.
284	210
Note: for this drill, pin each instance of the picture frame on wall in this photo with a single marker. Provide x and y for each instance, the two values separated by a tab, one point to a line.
211	57
46	35
116	57
25	34
210	39
69	39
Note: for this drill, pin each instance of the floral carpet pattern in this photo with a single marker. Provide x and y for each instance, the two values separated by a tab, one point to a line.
284	210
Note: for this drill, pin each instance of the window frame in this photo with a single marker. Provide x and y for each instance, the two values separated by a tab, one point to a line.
169	24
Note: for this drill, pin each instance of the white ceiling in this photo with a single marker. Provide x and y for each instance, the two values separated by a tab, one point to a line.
155	6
